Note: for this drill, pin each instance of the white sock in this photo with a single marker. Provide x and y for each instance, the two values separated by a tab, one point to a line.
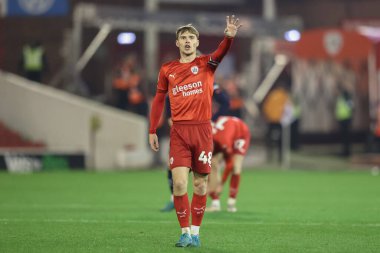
172	198
231	202
185	230
215	202
195	230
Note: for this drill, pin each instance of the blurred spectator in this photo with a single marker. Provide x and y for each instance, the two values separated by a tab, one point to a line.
273	109
33	63
137	101
294	100
236	100
344	108
374	137
220	102
294	127
128	89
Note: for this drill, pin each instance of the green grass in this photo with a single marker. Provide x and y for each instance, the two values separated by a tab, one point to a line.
279	211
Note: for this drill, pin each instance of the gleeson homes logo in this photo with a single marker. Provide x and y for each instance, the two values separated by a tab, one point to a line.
188	89
36	7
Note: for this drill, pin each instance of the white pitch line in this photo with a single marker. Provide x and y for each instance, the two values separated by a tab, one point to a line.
311	224
72	205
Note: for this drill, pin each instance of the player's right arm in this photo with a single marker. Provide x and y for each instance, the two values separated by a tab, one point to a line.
155	115
157	108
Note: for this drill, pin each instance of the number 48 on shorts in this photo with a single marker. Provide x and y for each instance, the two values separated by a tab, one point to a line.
205	158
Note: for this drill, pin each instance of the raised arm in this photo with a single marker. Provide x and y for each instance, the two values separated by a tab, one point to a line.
232	26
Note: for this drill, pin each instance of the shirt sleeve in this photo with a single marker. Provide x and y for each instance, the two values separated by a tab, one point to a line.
156	111
217	56
162	82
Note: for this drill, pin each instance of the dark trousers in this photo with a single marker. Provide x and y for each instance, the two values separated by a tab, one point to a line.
121	99
345	136
294	135
274	141
34	76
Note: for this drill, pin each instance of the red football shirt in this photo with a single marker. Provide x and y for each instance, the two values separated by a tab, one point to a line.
190	87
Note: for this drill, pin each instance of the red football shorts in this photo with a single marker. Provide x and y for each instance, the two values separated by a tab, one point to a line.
241	145
191	146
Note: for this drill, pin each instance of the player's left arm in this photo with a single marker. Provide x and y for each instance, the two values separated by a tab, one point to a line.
232	27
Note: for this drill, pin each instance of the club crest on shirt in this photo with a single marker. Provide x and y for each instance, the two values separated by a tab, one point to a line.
194	69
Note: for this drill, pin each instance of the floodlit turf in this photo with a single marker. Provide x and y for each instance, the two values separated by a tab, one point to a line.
278	211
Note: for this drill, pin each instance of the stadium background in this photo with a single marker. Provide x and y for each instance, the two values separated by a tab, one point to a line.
311	200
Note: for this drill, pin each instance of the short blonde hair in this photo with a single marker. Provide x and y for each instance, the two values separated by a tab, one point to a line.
186	28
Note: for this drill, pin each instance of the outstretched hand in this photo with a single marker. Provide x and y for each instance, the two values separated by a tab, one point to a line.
233	25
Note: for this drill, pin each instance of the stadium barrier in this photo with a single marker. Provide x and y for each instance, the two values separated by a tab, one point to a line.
69	123
23	160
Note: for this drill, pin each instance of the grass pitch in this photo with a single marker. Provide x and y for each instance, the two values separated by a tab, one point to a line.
278	211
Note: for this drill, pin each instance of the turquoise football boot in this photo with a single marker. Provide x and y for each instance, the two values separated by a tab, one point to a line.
195	241
168	207
184	241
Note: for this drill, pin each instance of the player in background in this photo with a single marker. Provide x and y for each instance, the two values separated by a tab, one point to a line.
222	103
231	141
189	82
